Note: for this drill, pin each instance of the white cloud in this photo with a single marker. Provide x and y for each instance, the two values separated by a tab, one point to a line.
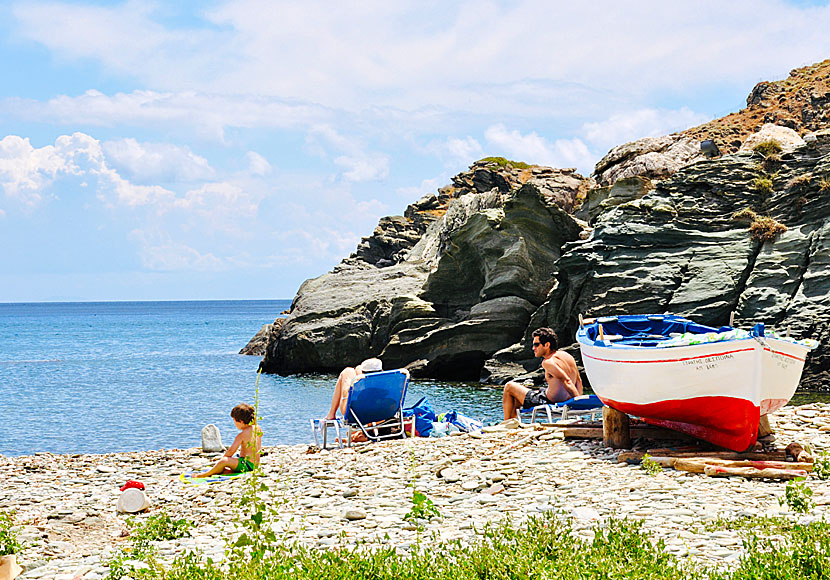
257	164
427	186
206	114
454	151
519	147
160	253
220	206
403	55
625	127
156	162
533	148
26	171
357	161
367	167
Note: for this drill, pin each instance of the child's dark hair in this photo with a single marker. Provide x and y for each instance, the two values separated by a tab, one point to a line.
243	413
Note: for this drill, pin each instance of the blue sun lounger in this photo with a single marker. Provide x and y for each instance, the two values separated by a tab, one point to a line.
581	406
375	407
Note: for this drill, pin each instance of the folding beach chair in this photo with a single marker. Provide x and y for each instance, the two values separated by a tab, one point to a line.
375	407
581	406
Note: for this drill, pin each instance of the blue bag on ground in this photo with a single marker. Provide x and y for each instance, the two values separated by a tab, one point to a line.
424	416
466	424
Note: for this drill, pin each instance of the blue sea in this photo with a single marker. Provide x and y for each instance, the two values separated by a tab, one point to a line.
100	377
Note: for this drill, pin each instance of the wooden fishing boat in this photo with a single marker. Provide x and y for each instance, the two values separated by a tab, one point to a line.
711	383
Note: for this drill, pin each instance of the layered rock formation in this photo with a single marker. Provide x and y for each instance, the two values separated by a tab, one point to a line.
680	248
453	288
445	286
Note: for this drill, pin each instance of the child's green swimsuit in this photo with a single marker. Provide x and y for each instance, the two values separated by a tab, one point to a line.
244	465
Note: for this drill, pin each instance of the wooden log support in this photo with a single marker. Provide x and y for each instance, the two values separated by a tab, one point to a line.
637	456
699	464
615	429
751	472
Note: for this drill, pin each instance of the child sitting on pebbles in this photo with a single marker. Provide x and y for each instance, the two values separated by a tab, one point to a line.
248	442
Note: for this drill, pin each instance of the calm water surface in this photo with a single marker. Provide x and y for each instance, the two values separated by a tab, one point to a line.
98	377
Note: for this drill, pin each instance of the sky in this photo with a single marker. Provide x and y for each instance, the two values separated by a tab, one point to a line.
230	150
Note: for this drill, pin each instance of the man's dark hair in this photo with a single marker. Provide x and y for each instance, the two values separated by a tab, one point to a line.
547	336
243	413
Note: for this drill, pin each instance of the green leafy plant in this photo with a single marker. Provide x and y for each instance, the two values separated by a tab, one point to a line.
802	551
821	465
650	466
766	229
9	542
142	533
422	508
159	527
798	496
257	539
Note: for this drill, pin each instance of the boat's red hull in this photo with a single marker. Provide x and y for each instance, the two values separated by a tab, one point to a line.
725	421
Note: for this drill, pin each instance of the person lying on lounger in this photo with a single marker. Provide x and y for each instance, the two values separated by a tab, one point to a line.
347	377
561	375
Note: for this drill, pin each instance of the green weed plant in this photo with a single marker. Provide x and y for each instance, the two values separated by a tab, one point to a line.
139	559
9	541
821	465
422	508
798	496
650	466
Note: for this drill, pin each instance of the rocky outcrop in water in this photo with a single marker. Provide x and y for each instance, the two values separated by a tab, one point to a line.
257	345
443	287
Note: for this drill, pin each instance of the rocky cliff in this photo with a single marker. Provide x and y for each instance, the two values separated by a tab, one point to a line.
454	287
697	244
445	286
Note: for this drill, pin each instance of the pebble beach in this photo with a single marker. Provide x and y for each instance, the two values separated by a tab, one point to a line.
66	504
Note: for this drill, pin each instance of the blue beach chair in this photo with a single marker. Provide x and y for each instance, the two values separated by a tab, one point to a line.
581	406
375	407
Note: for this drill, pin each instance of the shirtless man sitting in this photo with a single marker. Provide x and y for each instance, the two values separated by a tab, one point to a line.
561	375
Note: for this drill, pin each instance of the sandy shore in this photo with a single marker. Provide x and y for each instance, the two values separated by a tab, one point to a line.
66	503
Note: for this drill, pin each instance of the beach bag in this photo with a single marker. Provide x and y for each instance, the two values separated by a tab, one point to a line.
464	423
424	416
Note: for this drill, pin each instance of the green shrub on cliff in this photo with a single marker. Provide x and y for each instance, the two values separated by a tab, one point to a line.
763	184
502	162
